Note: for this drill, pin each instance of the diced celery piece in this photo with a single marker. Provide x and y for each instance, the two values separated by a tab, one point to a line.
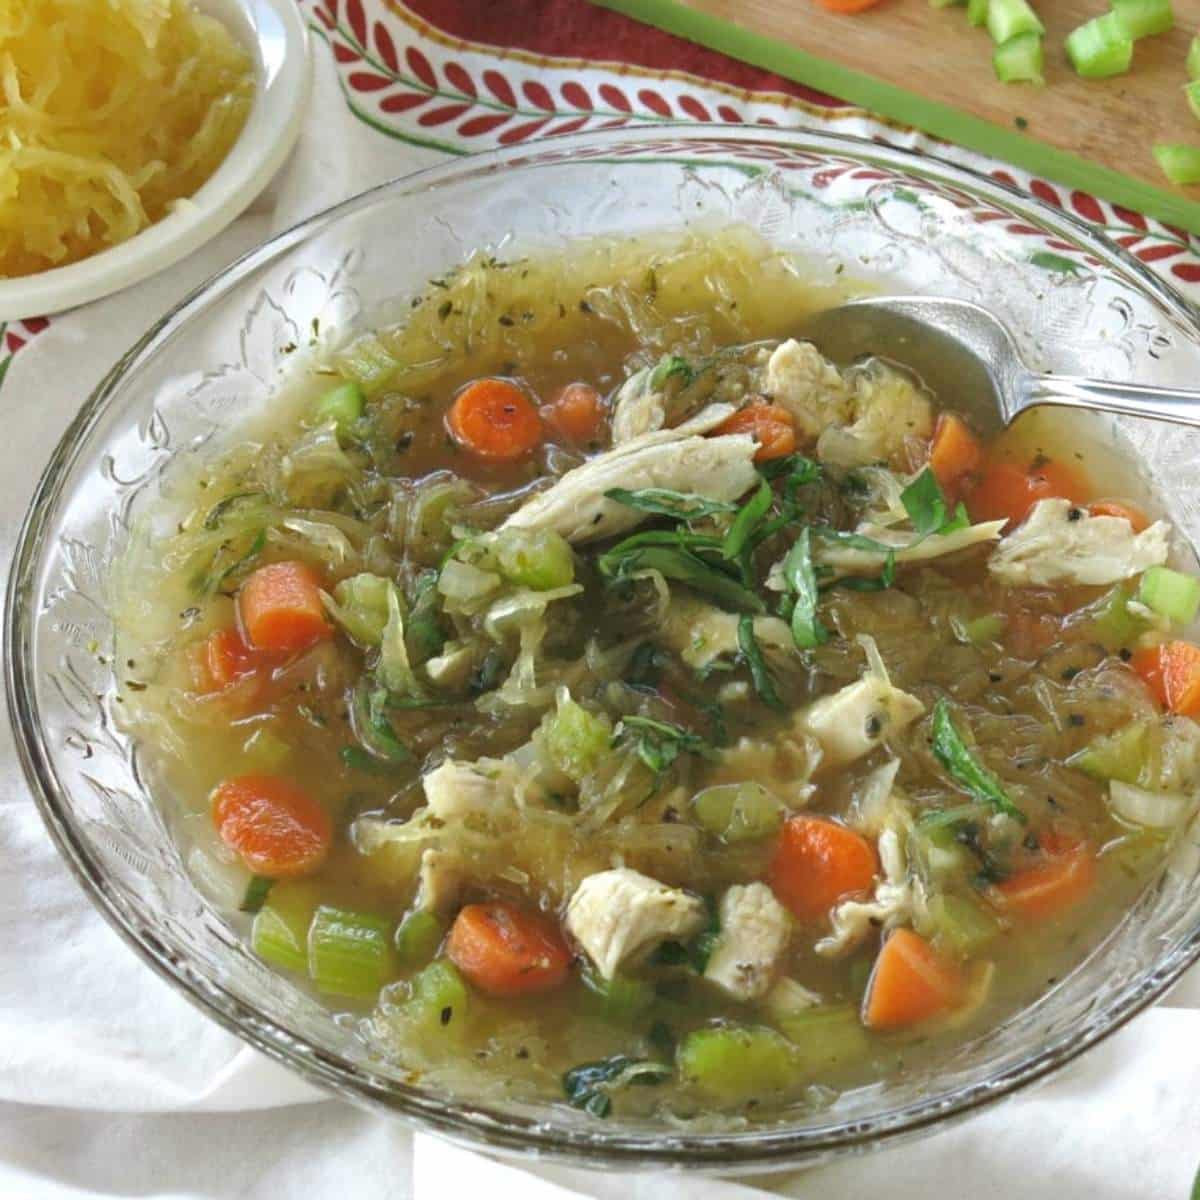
360	607
620	1000
977	12
825	1037
982	631
1193	59
934	846
574	739
265	750
738	812
1179	162
945	3
256	893
280	931
534	558
349	953
368	362
1125	755
959	924
418	937
1100	48
1170	594
1144	18
1007	19
1115	626
1020	59
278	941
439	998
736	1063
343	405
1191	92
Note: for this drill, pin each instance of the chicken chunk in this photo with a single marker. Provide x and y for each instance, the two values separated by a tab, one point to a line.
700	633
888	409
455	789
620	916
809	387
850	560
638	407
755	929
440	882
1059	543
892	904
719	468
855	720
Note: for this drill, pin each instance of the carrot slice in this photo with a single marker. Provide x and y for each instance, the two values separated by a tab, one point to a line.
817	862
1171	671
1120	508
770	425
1043	891
280	608
954	453
276	828
1009	491
576	413
494	419
508	951
221	660
910	983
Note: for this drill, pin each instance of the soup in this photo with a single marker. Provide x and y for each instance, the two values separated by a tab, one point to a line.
598	694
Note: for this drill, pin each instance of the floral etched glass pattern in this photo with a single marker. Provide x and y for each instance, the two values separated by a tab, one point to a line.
898	221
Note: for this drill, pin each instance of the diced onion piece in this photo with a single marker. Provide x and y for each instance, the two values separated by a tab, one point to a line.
1155	810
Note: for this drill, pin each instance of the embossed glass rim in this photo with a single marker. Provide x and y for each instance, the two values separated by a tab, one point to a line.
487	1126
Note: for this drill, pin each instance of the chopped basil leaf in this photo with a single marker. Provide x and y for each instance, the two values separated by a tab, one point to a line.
256	894
683	506
975	779
747	521
659	743
588	1085
760	673
669	367
801	579
928	509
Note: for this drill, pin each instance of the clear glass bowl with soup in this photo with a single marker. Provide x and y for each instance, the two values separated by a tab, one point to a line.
797	785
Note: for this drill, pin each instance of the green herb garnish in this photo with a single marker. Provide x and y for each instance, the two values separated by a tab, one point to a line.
975	779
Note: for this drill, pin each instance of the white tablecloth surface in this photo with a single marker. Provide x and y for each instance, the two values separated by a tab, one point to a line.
112	1085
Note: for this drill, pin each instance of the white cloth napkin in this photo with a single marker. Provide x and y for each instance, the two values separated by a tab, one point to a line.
112	1085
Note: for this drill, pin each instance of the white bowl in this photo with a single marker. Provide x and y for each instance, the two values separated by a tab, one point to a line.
275	34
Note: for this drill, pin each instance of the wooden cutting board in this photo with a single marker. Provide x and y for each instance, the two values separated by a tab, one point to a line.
928	68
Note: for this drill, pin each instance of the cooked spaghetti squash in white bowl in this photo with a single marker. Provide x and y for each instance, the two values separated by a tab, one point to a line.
131	132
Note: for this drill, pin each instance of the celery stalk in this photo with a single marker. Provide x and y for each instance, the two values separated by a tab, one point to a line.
1180	163
737	1063
1100	48
945	3
825	1037
958	924
1007	19
1170	594
977	12
418	937
1144	18
1020	60
438	998
349	953
343	405
280	931
1192	93
620	1000
1193	59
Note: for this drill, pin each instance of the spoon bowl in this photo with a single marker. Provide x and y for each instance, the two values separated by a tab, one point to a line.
967	356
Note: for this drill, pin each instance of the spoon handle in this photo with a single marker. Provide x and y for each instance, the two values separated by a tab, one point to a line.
1180	405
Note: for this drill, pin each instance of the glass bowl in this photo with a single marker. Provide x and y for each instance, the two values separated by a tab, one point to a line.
897	221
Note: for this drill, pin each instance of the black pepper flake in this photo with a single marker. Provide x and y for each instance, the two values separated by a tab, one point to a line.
874	725
1021	123
506	321
1075	514
1076	719
1125	653
585	307
404	441
1069	673
995	676
447	1015
522	1052
445	309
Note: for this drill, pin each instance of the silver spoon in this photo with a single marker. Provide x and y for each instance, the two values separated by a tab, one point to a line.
970	360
